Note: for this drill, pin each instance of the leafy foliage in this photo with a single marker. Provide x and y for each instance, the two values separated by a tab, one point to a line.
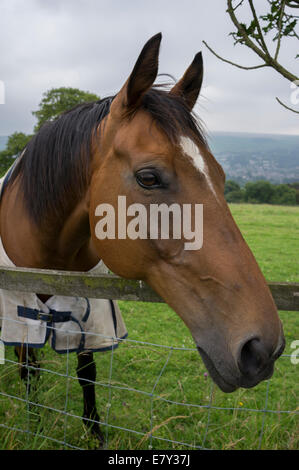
261	192
58	100
231	186
15	144
53	103
277	20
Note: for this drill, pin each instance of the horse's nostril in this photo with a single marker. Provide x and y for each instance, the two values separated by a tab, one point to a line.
253	357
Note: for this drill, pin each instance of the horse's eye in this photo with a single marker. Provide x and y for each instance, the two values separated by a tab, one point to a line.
148	179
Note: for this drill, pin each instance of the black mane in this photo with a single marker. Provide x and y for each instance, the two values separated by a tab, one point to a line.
54	169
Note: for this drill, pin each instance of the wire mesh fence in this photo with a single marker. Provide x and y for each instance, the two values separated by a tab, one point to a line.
151	396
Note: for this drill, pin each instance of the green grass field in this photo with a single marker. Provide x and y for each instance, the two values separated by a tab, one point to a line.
137	402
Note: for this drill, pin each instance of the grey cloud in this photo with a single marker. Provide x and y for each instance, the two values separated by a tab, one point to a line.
93	44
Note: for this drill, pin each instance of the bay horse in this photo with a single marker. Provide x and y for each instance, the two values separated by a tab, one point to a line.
146	144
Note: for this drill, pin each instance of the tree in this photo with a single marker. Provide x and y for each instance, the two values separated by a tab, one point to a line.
231	186
15	144
283	195
58	100
237	195
296	187
53	103
279	20
259	192
5	162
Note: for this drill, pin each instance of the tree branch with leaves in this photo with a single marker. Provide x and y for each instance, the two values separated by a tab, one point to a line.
280	21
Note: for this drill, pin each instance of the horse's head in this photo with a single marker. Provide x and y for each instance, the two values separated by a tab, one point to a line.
152	151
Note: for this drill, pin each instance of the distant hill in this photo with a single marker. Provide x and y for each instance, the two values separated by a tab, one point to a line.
250	157
3	140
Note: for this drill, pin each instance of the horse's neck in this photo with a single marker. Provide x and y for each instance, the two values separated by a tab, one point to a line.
58	245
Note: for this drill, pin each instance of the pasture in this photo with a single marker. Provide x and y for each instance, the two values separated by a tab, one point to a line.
155	387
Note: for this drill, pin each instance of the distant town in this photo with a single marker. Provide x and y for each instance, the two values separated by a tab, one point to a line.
251	157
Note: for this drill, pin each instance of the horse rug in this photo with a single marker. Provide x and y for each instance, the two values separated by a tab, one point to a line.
67	323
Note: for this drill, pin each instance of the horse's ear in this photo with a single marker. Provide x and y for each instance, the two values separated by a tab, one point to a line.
142	77
190	84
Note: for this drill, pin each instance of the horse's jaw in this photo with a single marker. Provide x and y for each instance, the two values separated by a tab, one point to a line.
216	377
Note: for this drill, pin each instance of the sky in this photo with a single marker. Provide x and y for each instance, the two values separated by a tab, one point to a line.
93	45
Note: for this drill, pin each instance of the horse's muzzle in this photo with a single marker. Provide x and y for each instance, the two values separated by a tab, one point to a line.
255	363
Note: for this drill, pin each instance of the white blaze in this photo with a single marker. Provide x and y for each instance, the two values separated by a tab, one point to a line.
192	151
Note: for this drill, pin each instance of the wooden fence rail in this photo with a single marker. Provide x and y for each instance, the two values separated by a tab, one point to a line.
109	286
286	295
